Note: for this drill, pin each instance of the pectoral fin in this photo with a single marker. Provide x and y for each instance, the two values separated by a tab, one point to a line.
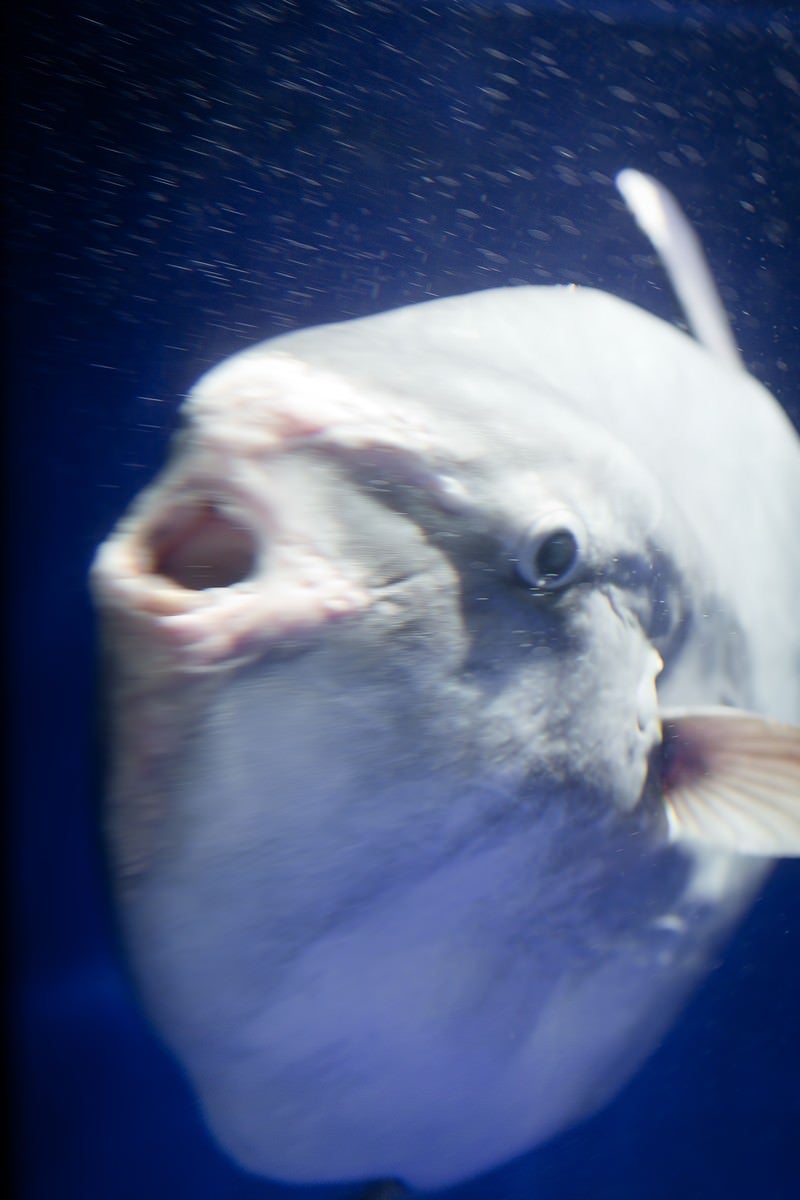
731	779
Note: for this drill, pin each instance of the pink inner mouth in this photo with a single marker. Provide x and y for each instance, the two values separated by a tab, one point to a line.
200	546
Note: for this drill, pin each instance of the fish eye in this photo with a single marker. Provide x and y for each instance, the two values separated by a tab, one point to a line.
551	552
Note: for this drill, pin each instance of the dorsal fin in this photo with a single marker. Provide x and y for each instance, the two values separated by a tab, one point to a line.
661	219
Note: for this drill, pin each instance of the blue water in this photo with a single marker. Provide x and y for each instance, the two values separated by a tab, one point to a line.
185	179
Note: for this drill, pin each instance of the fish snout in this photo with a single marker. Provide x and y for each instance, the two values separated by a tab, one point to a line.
209	567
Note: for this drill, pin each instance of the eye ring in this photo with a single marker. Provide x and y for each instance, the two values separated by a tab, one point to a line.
552	551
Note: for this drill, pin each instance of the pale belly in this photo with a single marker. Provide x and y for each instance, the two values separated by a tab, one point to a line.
451	1023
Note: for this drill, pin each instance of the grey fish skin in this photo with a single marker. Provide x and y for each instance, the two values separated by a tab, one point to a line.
385	807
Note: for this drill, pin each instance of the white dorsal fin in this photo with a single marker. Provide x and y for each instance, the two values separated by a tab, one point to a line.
731	779
661	219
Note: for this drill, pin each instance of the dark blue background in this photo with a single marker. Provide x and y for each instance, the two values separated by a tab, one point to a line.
184	179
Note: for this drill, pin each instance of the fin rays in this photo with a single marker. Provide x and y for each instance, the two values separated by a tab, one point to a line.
734	781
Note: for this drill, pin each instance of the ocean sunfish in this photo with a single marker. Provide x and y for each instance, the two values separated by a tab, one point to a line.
454	673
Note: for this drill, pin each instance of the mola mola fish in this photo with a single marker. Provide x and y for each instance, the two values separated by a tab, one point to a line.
454	680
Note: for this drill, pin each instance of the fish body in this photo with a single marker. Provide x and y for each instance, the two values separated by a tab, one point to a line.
454	661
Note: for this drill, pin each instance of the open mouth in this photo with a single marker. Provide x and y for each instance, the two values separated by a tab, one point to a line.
202	545
211	574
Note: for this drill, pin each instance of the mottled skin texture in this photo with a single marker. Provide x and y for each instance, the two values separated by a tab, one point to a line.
393	866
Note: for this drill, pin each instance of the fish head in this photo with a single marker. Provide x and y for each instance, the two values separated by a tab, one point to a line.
348	628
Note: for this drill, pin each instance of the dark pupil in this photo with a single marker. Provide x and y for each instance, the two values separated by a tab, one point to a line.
556	555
